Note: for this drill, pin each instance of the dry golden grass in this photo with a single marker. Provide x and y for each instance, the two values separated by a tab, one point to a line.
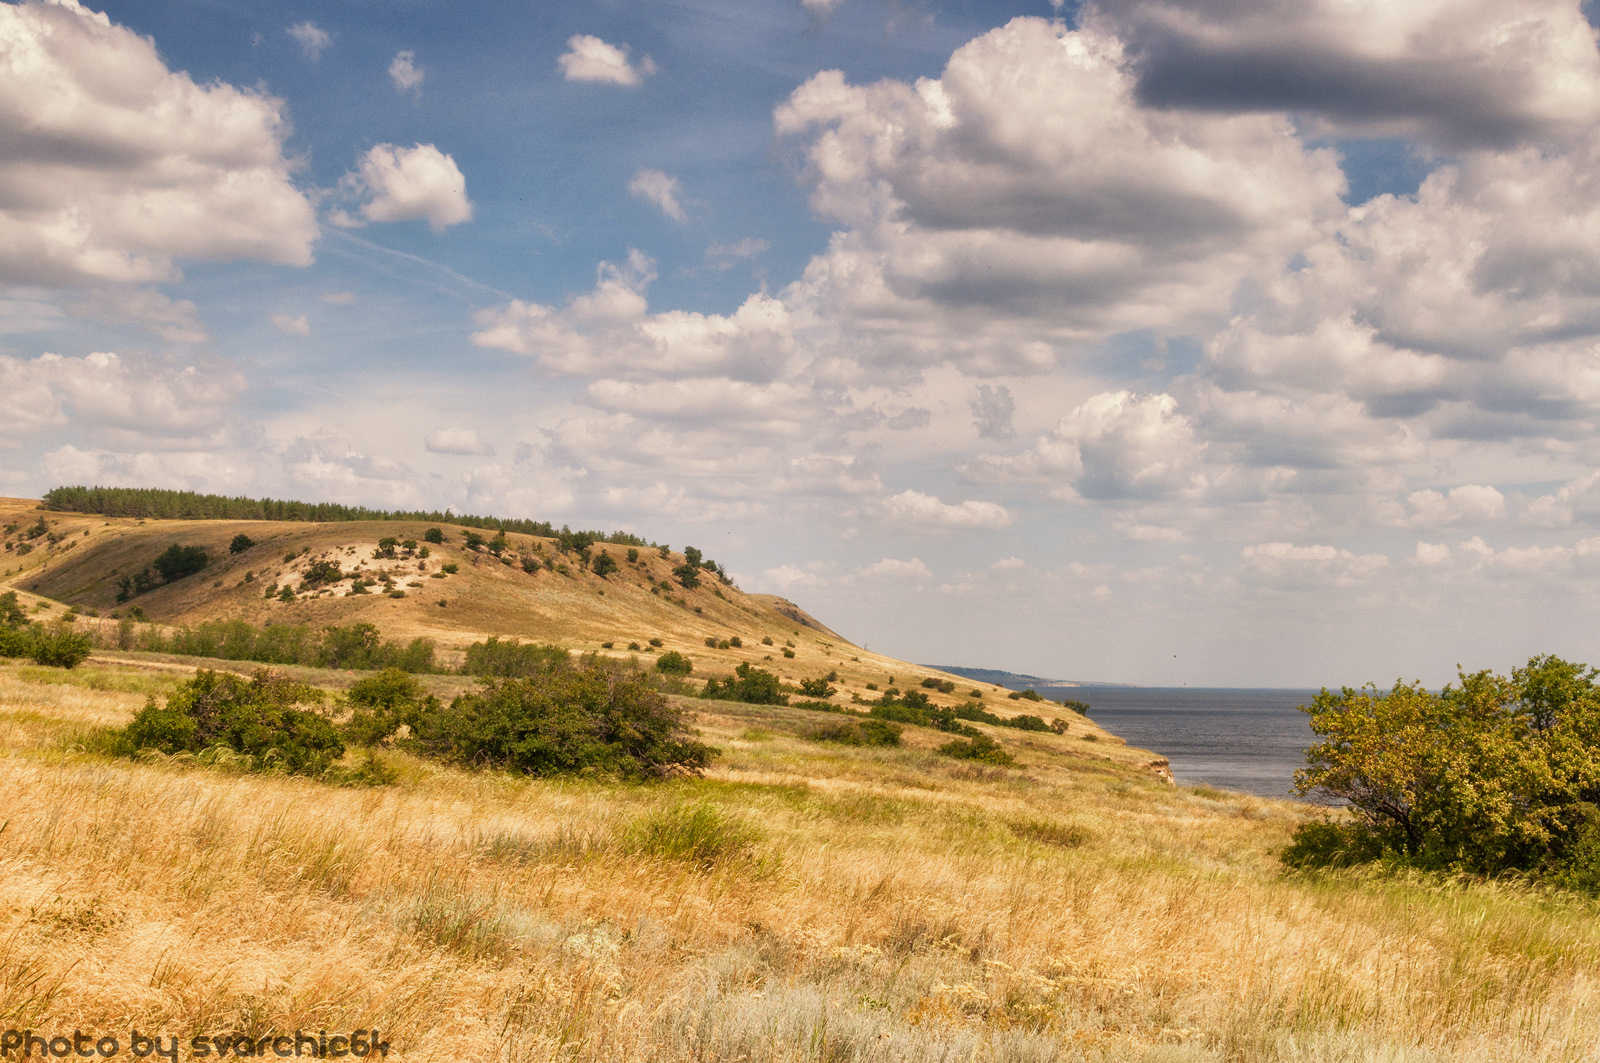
867	905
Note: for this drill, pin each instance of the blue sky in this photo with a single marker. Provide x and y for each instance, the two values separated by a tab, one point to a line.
1235	342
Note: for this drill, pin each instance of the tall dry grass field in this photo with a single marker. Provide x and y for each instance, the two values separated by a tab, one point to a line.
803	902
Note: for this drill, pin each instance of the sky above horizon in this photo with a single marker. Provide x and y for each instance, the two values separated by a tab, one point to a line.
1222	343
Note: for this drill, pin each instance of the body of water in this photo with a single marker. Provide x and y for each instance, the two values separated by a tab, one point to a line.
1248	740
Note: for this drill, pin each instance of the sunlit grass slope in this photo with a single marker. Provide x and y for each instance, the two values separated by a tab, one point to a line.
801	902
457	596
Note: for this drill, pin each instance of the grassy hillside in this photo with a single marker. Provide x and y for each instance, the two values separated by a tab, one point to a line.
560	602
800	902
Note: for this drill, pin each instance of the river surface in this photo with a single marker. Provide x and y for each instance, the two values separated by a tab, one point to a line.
1249	740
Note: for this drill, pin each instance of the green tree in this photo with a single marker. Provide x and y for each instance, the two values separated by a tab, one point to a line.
1492	774
177	562
434	536
240	543
604	564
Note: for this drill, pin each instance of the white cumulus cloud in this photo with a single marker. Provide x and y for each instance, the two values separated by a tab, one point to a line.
114	166
915	509
589	58
402	184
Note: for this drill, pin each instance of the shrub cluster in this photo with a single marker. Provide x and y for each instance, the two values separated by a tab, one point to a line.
511	658
1492	775
858	733
259	719
595	716
673	663
755	686
980	748
59	646
356	646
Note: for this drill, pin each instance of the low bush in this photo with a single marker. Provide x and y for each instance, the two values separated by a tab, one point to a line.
599	717
380	704
259	719
61	648
858	733
981	748
356	646
817	688
755	686
511	658
674	663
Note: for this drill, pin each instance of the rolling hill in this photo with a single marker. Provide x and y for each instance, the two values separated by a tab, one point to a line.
460	591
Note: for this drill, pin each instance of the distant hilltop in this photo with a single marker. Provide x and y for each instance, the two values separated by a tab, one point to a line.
1013	680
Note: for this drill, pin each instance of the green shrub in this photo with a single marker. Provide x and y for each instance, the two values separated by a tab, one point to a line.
1079	707
11	613
674	663
600	717
711	642
788	654
240	543
1027	723
380	704
858	733
655	644
258	718
766	640
512	658
755	686
817	688
61	648
322	571
1323	843
434	536
981	748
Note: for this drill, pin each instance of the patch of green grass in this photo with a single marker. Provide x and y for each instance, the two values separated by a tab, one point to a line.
698	833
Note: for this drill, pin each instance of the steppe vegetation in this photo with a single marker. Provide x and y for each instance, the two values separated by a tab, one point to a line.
800	900
543	858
